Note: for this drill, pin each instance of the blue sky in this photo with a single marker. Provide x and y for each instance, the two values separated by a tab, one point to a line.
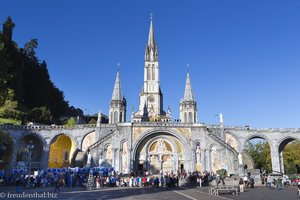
244	55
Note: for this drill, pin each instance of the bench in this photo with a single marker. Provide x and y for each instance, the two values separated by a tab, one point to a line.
223	189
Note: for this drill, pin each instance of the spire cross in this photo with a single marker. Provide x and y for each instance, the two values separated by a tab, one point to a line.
188	67
118	66
151	16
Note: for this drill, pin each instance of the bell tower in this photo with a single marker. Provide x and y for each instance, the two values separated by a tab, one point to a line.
151	97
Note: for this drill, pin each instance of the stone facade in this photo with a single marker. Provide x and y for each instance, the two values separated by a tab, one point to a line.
214	151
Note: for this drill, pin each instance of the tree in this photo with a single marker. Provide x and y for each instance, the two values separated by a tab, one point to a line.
22	72
260	153
291	157
10	107
71	122
3	73
30	47
7	28
40	114
92	121
6	149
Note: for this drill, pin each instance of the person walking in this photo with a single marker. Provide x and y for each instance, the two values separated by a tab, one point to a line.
269	182
57	184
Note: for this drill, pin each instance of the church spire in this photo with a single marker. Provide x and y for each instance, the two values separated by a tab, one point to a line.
117	108
117	93
151	39
151	51
188	105
188	92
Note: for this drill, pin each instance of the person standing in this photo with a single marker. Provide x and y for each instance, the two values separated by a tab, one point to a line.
98	182
245	181
241	185
299	188
18	185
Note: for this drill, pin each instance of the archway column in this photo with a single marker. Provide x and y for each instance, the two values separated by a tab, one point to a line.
113	158
45	157
281	162
175	163
193	160
208	160
275	157
129	151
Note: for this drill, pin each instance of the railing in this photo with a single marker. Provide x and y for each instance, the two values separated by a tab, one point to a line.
48	127
224	189
169	124
102	139
215	137
106	136
160	123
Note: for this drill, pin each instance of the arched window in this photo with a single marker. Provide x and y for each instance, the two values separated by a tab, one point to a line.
153	72
111	117
116	115
185	117
120	117
195	118
148	72
190	117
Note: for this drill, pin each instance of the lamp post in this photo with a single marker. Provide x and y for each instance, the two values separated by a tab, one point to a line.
30	146
216	115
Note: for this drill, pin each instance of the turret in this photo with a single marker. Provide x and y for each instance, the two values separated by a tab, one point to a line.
117	109
188	105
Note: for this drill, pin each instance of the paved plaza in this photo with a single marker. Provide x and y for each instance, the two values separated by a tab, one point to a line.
153	193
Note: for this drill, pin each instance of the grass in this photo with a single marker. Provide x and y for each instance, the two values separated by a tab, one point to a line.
9	121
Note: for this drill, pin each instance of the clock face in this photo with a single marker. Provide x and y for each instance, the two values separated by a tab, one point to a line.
151	99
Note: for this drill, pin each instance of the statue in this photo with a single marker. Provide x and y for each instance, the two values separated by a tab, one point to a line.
89	159
240	158
124	158
99	119
198	153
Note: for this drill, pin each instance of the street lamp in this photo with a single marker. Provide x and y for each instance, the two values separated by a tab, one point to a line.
30	146
216	115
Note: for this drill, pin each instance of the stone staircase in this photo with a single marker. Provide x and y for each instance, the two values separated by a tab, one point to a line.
222	142
81	156
107	136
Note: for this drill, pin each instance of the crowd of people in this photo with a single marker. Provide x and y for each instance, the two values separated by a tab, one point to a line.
60	181
97	180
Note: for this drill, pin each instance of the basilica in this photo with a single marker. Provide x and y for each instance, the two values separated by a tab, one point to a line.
151	140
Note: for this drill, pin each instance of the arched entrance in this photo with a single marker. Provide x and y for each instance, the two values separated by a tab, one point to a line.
289	156
61	150
30	149
214	158
88	140
161	153
257	154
